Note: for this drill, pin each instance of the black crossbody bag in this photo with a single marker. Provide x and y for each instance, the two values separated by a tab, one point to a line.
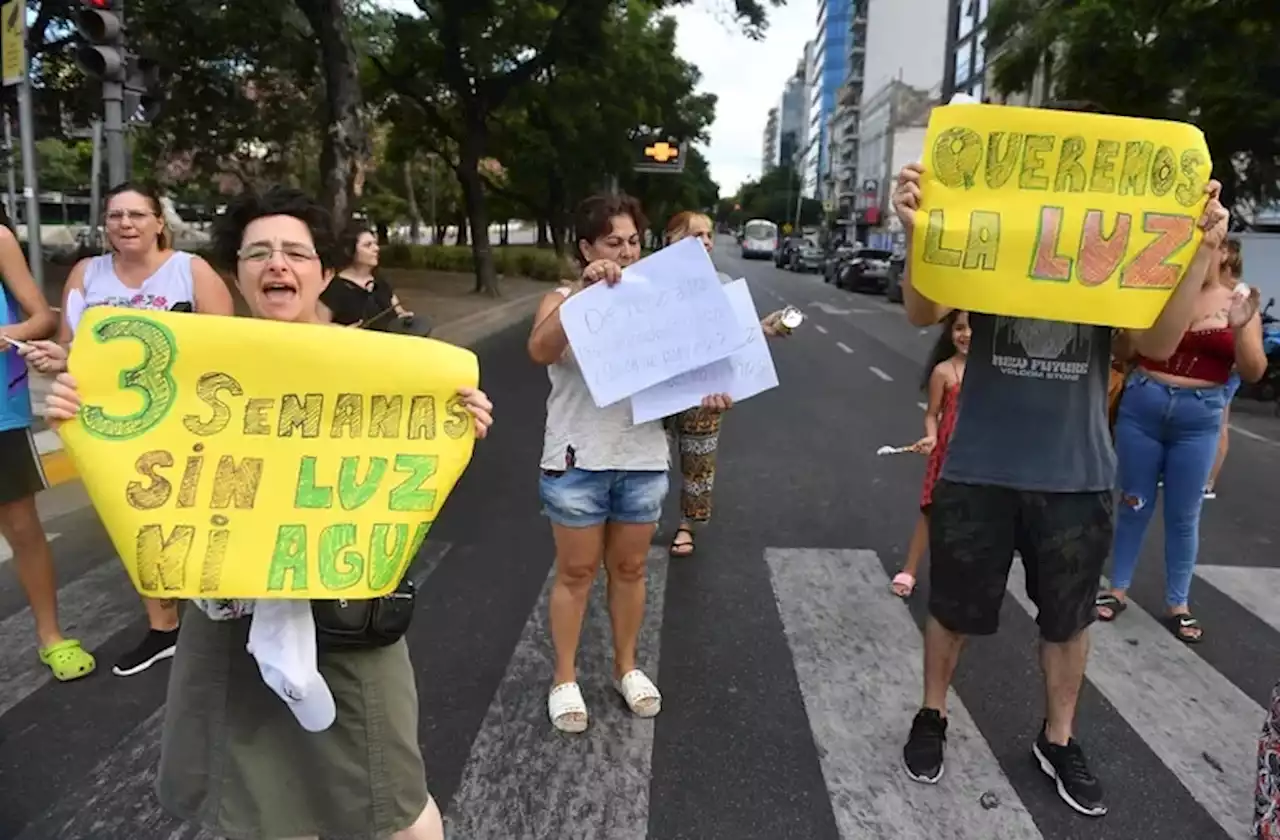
367	623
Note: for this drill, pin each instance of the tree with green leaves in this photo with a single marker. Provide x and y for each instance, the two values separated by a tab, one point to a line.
774	197
1212	64
456	68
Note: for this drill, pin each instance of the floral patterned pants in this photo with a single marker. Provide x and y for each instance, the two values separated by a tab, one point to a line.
697	435
1266	810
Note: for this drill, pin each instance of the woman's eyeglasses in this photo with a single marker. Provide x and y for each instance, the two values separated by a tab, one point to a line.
293	251
115	217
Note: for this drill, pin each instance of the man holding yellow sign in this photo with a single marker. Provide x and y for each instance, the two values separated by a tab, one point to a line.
1050	228
234	460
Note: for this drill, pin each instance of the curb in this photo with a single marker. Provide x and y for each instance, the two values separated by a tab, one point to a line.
464	332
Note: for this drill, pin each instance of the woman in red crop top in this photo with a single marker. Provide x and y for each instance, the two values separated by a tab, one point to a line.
1167	426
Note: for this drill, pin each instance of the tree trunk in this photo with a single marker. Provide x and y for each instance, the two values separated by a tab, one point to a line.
505	235
345	150
415	215
477	215
461	224
544	239
441	231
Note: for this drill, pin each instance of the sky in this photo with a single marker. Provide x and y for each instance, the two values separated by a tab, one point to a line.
746	76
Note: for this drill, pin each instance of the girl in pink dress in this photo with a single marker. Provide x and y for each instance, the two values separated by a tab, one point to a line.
945	373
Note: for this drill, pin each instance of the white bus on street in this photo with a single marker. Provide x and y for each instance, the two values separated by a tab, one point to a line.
759	239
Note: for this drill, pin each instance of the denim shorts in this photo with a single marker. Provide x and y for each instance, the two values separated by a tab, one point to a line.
578	498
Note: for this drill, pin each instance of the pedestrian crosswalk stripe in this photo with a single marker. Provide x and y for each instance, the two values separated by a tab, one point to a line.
93	608
1199	724
858	655
6	550
526	781
1256	588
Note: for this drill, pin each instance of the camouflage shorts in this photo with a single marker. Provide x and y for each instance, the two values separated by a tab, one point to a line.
974	530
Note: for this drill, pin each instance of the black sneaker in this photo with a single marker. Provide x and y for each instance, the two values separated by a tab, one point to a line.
1066	766
923	753
156	645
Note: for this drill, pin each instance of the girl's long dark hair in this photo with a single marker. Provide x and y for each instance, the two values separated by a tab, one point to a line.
943	349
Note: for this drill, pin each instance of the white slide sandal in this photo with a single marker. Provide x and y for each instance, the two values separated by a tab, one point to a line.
566	708
640	693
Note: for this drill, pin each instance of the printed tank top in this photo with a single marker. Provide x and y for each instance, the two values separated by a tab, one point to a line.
171	287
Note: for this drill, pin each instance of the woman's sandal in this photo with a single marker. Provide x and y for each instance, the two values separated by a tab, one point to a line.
68	660
1107	601
682	549
640	693
567	709
1185	628
906	581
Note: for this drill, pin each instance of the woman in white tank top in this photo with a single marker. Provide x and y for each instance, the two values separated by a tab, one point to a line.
603	479
141	272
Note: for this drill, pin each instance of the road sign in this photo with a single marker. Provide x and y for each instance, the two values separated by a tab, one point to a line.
13	41
660	155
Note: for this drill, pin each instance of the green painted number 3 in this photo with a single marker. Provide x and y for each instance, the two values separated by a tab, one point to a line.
152	379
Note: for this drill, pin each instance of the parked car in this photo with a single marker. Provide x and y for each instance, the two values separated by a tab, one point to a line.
834	260
866	270
893	286
805	257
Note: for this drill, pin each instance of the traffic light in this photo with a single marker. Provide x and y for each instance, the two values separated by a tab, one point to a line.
144	92
101	52
659	155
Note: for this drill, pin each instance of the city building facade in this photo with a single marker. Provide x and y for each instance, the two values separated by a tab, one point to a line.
892	130
844	156
965	66
769	152
793	118
898	88
829	67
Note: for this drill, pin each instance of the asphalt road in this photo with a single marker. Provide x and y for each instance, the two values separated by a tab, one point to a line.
789	672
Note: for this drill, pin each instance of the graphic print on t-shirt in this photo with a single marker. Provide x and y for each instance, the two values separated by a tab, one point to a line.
1038	349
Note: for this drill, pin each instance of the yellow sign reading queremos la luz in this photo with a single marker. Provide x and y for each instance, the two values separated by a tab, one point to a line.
239	458
1058	215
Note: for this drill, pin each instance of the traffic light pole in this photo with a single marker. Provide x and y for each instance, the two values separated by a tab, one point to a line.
30	190
113	128
113	122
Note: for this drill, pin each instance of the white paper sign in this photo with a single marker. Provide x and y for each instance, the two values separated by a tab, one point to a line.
748	372
668	316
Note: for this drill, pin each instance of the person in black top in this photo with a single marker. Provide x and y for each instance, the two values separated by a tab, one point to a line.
356	296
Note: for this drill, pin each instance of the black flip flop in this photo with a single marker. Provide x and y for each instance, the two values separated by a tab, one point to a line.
682	550
1111	602
1179	624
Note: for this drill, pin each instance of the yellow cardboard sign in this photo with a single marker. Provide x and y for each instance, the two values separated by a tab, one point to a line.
239	458
1058	215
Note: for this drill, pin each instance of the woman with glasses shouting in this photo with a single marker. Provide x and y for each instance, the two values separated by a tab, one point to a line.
142	271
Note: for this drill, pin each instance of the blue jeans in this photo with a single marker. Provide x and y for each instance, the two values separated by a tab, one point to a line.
578	498
1163	430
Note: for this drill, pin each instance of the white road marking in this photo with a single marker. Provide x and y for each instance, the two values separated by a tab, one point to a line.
1256	588
6	551
846	348
820	328
857	655
1203	727
878	372
535	782
1253	435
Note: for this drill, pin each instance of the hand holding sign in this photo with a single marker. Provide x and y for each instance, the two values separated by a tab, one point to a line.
220	477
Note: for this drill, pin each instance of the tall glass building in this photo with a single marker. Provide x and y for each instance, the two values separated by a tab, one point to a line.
830	66
966	67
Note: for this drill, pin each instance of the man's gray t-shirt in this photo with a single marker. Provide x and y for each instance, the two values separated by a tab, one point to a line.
1033	408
